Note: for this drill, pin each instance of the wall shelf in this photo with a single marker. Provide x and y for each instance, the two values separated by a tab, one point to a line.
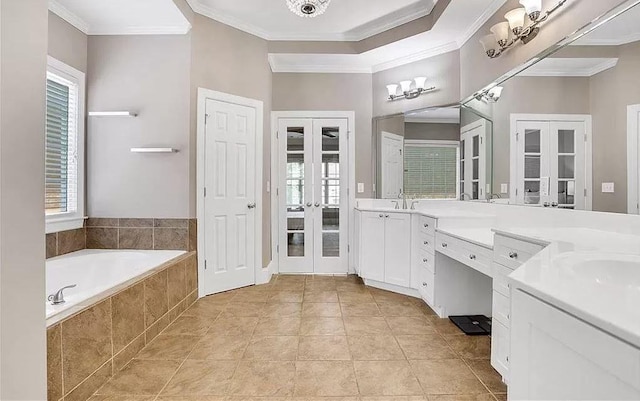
154	150
112	114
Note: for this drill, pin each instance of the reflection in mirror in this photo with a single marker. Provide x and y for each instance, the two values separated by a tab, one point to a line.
566	129
427	154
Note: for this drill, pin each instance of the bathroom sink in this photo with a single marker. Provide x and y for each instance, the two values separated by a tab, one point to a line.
603	270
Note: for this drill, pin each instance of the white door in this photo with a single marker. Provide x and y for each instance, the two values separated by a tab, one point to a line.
313	198
633	153
372	242
473	161
230	199
392	168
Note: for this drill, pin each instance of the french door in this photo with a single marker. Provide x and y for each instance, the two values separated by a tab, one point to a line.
550	163
312	196
473	161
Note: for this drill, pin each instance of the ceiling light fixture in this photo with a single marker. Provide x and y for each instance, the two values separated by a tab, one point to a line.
408	92
308	8
516	27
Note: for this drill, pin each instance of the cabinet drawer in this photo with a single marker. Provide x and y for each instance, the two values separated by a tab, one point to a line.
501	308
426	260
427	225
500	281
426	243
474	256
426	285
512	253
500	348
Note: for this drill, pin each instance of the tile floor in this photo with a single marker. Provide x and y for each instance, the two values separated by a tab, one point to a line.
309	338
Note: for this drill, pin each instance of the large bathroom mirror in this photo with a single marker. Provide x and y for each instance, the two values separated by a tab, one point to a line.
434	153
566	127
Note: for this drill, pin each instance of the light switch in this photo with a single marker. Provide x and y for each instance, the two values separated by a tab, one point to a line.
361	187
504	188
608	187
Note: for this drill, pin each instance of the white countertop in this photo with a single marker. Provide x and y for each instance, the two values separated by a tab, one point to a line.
587	272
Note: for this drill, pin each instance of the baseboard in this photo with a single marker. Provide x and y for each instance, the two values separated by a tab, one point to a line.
393	288
264	276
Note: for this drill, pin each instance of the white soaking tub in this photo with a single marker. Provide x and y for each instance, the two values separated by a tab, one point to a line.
97	274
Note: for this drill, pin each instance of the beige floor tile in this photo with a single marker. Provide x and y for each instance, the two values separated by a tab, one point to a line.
352	297
243	309
192	398
282	310
272	348
366	326
278	326
252	296
263	378
488	375
322	326
409	325
463	397
234	326
386	296
201	378
471	347
399	309
499	397
320	286
122	398
395	398
217	347
375	348
446	376
386	378
324	348
189	326
444	326
285	296
140	378
325	379
425	346
321	309
351	287
169	347
204	309
221	298
320	296
362	309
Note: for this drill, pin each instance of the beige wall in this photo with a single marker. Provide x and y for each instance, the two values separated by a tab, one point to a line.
23	51
442	71
611	92
332	92
432	131
478	70
149	75
228	60
67	43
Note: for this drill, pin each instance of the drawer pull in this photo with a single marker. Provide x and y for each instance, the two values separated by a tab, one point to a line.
382	215
513	255
424	284
426	242
425	260
444	245
472	257
426	225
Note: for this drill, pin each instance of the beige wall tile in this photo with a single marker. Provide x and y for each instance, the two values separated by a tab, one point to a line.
141	378
138	223
191	273
176	283
171	238
155	297
93	383
54	363
171	223
52	245
71	241
127	354
101	222
193	235
135	238
127	311
102	238
155	329
86	343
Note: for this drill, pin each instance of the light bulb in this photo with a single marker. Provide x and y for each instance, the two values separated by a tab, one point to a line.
393	90
533	8
495	93
421	82
516	20
406	86
501	32
490	44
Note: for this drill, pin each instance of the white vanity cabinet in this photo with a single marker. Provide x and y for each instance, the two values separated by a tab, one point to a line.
385	247
556	356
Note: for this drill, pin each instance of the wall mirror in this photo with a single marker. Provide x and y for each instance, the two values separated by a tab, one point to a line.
434	153
566	125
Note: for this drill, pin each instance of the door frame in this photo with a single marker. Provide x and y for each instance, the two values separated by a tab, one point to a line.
482	164
588	150
275	157
389	135
633	151
261	275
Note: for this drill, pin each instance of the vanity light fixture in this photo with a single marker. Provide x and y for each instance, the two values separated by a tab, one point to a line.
491	95
522	24
407	92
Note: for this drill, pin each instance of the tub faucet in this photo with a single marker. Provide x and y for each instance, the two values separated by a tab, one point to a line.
58	297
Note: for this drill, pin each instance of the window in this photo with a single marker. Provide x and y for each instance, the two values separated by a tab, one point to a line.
431	169
64	147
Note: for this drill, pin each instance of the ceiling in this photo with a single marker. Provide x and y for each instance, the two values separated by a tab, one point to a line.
620	30
569	67
459	21
122	17
344	20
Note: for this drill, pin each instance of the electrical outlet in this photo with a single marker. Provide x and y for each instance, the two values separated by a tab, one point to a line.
608	187
504	188
361	187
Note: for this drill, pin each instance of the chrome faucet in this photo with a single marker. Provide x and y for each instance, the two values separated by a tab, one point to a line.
403	196
397	206
413	204
493	196
465	194
58	297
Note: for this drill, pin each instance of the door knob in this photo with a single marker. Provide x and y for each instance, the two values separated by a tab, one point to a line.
472	257
309	204
317	204
251	205
513	255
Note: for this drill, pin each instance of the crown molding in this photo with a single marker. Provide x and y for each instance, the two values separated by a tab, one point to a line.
412	58
486	15
315	68
147	30
634	37
64	13
570	72
357	34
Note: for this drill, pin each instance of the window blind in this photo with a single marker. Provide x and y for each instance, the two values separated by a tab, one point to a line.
430	171
61	167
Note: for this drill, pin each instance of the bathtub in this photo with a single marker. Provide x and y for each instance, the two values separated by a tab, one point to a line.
97	275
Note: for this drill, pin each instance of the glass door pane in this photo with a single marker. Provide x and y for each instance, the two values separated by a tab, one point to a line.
567	164
532	166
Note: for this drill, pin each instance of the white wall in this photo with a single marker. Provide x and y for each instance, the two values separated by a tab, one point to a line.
23	59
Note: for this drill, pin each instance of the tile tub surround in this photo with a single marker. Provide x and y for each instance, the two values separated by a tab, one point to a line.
143	234
309	338
64	242
86	349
